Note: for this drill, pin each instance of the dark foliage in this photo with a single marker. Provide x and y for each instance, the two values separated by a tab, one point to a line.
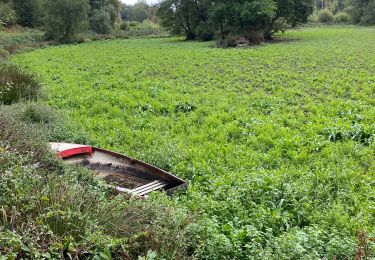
243	18
64	19
29	12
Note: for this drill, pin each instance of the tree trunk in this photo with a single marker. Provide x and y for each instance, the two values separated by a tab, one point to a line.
68	28
189	34
268	33
222	30
187	29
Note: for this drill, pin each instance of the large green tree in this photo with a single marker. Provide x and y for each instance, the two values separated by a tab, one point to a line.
244	18
64	19
181	15
289	12
103	15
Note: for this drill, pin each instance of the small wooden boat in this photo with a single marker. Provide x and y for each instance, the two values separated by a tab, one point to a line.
124	173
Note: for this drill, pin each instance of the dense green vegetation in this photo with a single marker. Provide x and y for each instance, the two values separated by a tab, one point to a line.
49	211
248	19
252	21
17	85
233	22
277	142
344	11
19	37
79	20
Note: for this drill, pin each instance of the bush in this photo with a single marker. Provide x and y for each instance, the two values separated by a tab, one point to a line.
314	18
21	140
100	22
325	16
50	125
341	17
124	26
3	54
133	24
17	85
7	15
142	29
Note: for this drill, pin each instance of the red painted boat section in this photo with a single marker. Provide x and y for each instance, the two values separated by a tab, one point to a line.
76	151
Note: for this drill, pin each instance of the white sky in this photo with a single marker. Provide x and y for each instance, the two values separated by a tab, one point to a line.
130	2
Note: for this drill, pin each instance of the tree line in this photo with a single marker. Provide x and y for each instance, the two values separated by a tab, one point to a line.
250	21
139	12
64	19
254	20
356	11
61	19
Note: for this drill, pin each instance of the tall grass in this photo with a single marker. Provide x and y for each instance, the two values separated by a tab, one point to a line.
19	37
17	85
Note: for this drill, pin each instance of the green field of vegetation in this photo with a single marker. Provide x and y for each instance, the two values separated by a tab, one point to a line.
19	37
277	141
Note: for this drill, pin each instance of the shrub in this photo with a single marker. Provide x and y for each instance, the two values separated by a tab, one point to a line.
341	17
7	15
17	85
100	22
325	16
314	18
145	28
21	140
3	54
50	125
281	25
124	26
133	24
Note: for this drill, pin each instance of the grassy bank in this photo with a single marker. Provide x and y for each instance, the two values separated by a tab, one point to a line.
277	141
13	41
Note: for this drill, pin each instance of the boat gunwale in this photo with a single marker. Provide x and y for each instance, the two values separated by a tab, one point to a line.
175	182
147	165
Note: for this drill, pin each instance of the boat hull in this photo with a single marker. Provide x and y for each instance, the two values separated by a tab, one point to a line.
124	173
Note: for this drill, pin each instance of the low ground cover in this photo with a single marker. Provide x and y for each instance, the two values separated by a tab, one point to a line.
277	141
19	36
12	41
